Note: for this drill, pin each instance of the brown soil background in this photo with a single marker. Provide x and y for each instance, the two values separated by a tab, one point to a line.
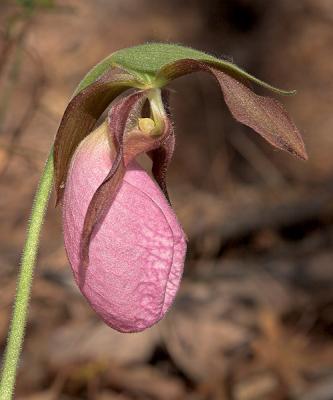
254	317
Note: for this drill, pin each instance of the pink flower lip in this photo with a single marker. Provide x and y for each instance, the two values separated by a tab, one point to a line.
137	251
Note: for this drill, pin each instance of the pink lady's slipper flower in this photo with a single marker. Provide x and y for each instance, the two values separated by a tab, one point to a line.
124	243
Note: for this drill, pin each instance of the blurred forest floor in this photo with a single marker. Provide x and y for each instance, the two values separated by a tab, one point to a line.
254	317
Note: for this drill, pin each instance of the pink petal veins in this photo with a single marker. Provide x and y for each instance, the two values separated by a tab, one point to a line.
138	250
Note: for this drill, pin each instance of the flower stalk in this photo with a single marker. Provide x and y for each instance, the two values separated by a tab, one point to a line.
24	283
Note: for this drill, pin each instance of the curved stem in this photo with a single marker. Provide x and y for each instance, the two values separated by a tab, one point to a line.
19	318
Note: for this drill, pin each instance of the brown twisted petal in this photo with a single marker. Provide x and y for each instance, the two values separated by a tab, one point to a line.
161	157
127	145
106	192
81	116
263	114
159	148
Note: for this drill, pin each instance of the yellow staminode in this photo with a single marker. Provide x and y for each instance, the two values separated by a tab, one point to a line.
146	125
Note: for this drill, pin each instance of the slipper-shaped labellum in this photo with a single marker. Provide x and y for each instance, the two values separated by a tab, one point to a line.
136	254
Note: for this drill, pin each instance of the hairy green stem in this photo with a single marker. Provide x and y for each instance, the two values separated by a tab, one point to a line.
19	318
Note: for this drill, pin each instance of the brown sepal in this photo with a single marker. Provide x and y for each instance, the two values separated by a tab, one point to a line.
265	115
